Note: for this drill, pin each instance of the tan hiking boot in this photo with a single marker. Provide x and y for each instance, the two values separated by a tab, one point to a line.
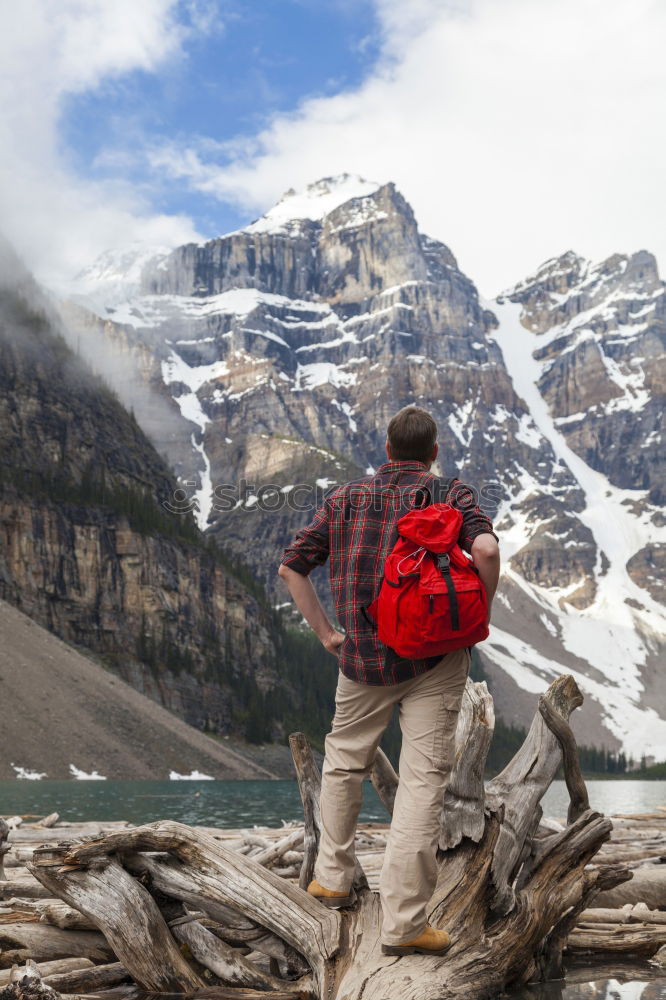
331	897
430	942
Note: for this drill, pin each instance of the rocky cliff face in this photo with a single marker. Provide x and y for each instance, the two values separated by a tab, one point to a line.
279	388
287	346
86	547
600	346
162	614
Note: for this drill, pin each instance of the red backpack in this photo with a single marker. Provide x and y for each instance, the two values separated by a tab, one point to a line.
431	599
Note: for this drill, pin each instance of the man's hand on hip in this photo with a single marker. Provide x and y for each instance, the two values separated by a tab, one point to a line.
333	641
306	600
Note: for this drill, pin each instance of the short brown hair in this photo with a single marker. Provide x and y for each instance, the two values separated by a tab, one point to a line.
412	434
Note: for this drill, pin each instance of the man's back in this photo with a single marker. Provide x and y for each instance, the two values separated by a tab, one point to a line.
355	529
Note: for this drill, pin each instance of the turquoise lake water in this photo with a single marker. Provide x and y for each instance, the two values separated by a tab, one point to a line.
250	803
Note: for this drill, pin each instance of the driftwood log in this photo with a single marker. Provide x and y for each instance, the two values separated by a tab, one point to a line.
4	847
184	911
25	888
50	911
43	982
648	885
48	969
43	943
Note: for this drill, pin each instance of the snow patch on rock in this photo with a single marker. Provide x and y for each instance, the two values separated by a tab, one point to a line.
313	203
80	775
192	776
27	774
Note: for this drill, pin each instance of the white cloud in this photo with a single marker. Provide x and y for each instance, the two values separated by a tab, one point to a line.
49	50
517	129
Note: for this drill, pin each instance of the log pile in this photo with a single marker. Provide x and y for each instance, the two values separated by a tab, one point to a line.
110	909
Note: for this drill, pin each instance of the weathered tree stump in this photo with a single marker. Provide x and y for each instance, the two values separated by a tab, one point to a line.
509	891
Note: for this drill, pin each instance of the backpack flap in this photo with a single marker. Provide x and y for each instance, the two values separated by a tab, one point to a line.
436	527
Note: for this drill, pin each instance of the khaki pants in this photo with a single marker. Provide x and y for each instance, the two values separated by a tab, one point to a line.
429	706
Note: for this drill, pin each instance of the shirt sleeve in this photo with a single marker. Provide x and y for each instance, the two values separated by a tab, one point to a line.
475	521
310	547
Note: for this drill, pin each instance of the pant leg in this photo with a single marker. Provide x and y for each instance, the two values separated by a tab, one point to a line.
362	712
428	719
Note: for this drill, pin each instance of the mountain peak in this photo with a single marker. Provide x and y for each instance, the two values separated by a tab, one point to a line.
115	275
313	202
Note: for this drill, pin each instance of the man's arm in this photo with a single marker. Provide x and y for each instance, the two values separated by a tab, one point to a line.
477	537
310	548
486	558
306	600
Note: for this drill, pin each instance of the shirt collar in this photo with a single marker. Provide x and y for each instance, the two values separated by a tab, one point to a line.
402	465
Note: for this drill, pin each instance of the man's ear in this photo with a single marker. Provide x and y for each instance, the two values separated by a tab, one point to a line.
388	450
435	452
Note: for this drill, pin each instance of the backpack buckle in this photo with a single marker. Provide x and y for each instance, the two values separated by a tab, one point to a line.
443	562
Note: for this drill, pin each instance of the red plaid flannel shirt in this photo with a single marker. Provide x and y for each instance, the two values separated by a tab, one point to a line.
355	528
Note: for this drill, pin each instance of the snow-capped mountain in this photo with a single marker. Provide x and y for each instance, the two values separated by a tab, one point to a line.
287	346
116	274
314	203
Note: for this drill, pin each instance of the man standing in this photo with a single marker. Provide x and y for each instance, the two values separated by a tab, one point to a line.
355	529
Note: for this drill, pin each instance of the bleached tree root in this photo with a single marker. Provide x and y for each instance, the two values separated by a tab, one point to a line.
181	911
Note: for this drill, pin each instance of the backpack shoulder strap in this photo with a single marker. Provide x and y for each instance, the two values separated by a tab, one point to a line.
439	489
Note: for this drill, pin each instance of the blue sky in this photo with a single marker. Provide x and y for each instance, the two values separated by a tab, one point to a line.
253	61
517	130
